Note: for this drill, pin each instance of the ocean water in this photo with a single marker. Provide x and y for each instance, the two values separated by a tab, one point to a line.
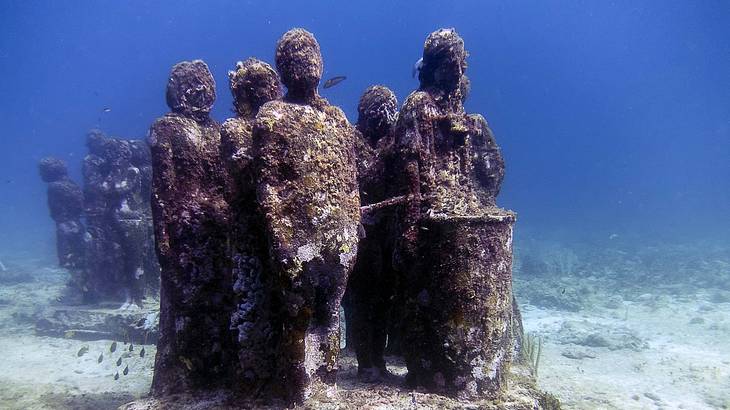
613	118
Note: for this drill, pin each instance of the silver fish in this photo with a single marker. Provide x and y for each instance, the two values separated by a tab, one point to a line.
417	67
334	81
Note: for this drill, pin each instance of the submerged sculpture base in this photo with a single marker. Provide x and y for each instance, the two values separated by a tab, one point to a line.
520	393
100	322
458	312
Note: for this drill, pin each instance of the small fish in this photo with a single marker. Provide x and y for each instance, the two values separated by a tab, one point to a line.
101	357
126	370
107	109
113	347
141	352
417	67
82	351
563	292
116	376
119	361
334	81
131	347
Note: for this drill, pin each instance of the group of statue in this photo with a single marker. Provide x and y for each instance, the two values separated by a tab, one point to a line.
104	231
264	223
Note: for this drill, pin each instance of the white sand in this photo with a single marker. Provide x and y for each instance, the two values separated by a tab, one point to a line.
685	366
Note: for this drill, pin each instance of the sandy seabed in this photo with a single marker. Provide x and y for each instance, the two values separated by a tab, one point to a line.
636	356
653	351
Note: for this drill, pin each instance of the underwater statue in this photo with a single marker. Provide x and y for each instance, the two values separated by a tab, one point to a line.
142	215
104	255
308	195
121	263
196	346
66	204
253	83
455	245
372	285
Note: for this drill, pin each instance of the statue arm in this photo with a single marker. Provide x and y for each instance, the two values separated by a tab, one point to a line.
489	164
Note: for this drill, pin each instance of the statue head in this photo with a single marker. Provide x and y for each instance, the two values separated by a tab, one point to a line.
52	169
299	62
253	84
377	112
444	60
191	90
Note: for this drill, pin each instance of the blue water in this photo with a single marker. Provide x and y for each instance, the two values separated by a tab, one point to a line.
614	117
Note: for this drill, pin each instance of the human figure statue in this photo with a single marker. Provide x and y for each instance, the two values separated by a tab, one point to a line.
308	197
142	160
104	255
190	218
121	263
372	284
454	248
65	202
253	83
127	216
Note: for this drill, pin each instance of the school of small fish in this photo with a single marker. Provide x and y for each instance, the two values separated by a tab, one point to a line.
125	354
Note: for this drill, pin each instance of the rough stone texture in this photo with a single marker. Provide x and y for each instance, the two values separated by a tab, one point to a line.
372	285
103	252
252	83
196	347
454	247
120	259
308	195
458	315
521	394
65	202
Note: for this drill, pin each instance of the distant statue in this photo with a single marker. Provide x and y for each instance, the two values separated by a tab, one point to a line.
120	261
454	248
104	254
129	211
372	285
65	202
190	218
142	214
253	83
308	196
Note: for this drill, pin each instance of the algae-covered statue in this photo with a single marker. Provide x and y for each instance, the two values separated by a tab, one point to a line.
104	255
190	218
372	285
65	202
455	244
308	196
253	83
120	261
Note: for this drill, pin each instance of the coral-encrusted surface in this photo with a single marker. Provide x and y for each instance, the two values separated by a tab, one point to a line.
307	190
190	216
253	83
455	245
